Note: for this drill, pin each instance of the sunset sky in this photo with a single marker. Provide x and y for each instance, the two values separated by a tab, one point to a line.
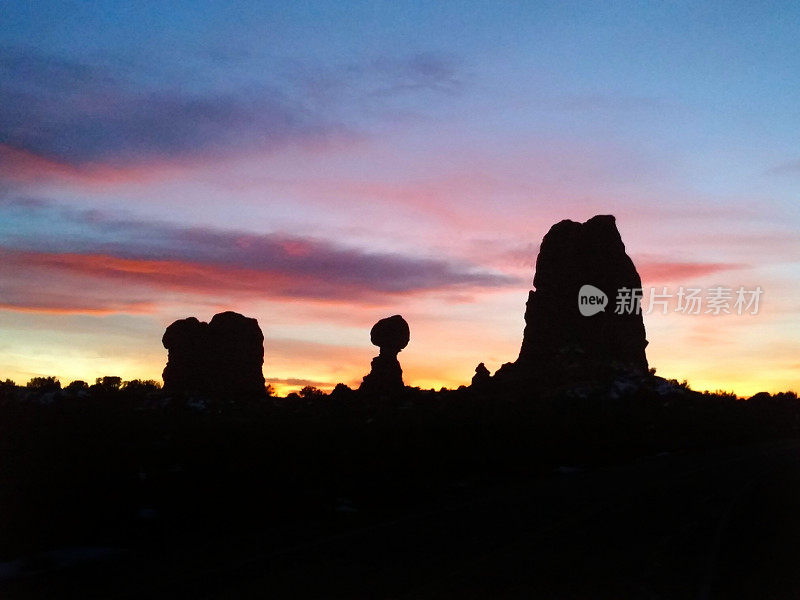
321	165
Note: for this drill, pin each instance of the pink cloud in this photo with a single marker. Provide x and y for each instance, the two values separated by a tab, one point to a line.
658	271
102	283
23	166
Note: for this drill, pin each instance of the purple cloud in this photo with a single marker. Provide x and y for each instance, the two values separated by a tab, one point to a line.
204	260
81	112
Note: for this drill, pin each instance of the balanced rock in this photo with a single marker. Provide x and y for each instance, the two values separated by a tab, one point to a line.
391	335
563	342
221	358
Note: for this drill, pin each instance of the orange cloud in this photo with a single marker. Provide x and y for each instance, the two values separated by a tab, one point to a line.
655	271
131	307
23	166
173	274
102	283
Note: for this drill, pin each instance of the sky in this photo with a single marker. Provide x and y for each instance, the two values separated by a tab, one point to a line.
322	165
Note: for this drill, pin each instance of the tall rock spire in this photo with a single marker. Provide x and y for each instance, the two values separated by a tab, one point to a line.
561	341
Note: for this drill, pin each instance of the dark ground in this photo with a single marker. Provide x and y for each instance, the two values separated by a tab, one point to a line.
438	495
716	524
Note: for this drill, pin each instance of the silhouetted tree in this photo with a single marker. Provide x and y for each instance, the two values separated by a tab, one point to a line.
7	388
44	384
310	392
109	383
77	386
141	386
342	392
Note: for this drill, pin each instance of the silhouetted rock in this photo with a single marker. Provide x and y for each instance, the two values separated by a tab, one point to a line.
391	335
238	355
221	358
481	377
186	341
561	344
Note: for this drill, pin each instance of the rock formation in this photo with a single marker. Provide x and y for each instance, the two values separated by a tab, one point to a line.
238	351
223	358
481	377
186	341
560	343
391	335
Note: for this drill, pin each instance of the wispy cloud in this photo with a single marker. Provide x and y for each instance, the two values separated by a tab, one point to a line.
162	256
654	270
370	84
426	71
787	168
81	113
597	102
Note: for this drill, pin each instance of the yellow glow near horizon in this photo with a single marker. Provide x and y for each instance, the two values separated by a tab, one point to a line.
737	354
88	369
